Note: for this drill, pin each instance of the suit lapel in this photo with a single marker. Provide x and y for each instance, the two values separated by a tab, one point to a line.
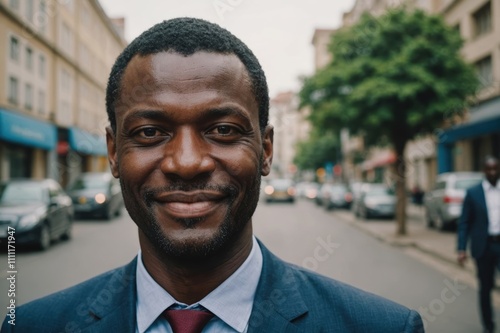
278	300
114	306
482	202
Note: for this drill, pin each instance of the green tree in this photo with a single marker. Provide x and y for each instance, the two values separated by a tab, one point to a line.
392	78
315	152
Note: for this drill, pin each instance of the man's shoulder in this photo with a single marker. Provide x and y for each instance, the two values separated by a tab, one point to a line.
74	305
328	290
324	303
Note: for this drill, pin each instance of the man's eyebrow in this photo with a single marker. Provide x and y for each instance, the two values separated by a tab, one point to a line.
204	115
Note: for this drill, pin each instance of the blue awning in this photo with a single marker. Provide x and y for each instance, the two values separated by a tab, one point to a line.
470	130
25	130
87	143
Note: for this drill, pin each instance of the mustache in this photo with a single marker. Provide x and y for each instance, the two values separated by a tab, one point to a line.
228	190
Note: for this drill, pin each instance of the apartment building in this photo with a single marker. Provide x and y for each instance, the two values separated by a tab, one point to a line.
462	147
290	127
53	73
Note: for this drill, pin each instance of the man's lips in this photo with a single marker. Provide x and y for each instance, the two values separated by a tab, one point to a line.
189	204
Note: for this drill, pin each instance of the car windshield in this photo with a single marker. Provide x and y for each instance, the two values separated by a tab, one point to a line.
281	183
21	192
378	191
88	183
463	184
339	189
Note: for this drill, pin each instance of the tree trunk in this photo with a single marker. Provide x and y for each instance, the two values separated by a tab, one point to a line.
399	177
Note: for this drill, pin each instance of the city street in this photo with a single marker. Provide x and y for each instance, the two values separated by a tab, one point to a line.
301	233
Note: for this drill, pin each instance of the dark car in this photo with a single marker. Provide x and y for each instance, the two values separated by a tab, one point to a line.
96	194
38	210
280	190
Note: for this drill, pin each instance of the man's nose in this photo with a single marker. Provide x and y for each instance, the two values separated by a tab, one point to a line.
187	155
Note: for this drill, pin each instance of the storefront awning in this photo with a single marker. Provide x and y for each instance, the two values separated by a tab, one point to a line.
86	143
470	130
27	131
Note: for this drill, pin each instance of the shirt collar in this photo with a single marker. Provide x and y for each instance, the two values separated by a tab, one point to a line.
487	185
229	301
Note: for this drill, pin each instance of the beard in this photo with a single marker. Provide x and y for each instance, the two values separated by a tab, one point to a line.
234	221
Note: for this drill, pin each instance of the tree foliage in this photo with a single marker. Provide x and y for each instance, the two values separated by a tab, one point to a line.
391	78
317	151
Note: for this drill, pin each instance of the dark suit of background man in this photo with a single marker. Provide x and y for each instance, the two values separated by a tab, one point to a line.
480	221
189	140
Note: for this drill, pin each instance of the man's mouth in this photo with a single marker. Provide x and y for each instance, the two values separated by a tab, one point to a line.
193	204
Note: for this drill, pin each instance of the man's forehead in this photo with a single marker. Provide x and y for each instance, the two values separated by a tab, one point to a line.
198	64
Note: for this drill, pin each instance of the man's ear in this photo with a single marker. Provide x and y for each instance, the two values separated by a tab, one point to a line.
267	149
112	158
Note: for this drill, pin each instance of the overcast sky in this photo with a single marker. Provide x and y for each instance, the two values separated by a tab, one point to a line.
279	32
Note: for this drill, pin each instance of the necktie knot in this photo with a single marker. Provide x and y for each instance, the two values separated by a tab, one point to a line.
187	321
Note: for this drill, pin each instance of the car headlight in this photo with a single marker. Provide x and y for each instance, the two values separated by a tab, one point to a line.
28	221
100	198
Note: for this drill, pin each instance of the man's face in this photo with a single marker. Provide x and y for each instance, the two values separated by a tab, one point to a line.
188	151
492	171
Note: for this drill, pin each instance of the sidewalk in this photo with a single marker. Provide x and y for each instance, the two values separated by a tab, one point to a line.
441	245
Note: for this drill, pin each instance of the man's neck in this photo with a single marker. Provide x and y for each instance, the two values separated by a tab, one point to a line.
190	282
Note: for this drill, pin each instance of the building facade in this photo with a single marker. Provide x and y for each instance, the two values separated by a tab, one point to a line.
53	75
290	127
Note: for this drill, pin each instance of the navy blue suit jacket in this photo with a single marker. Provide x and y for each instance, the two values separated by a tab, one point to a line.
474	222
288	299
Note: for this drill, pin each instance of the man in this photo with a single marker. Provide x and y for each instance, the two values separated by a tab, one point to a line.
189	140
480	221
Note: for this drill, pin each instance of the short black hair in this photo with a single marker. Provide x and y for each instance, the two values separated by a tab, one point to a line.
187	36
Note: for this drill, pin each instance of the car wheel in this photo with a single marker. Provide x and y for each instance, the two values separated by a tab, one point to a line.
365	214
67	233
430	221
439	223
44	241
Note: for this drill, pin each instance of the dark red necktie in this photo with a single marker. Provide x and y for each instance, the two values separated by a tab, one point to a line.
187	321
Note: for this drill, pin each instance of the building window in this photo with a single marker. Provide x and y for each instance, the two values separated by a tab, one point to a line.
14	48
41	102
13	92
41	17
482	20
28	91
484	69
66	40
29	10
41	66
29	58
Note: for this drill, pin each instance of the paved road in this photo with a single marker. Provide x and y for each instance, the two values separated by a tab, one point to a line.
301	233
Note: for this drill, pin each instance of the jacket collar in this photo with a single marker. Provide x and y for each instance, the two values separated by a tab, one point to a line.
278	300
113	307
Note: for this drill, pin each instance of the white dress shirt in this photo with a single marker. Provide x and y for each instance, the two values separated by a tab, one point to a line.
492	196
231	302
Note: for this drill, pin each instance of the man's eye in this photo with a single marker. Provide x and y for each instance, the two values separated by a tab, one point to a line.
224	130
149	132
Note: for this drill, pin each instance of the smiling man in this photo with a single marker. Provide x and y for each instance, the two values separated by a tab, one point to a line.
189	140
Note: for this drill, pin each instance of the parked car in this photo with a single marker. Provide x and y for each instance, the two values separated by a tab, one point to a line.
376	200
355	189
281	189
39	211
96	194
308	190
443	204
337	196
323	188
